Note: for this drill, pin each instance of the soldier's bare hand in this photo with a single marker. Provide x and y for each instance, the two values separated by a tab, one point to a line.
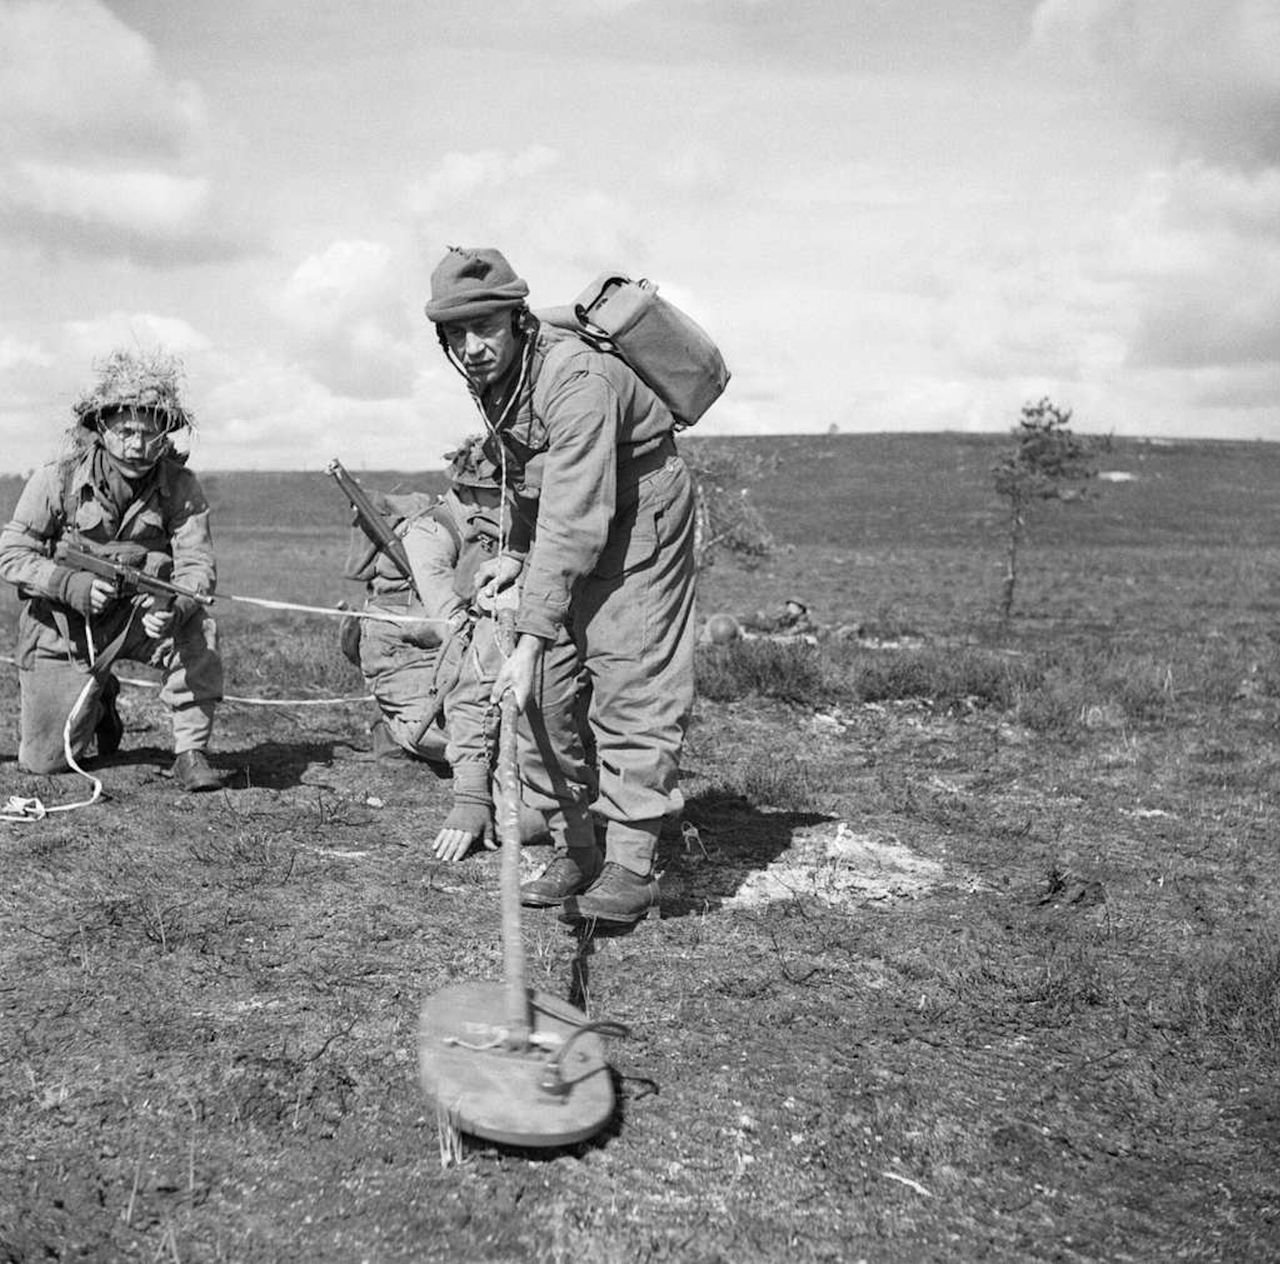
101	595
453	844
158	623
518	672
495	574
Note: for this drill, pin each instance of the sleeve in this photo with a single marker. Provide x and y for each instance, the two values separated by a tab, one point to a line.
190	536
433	556
27	539
467	714
582	414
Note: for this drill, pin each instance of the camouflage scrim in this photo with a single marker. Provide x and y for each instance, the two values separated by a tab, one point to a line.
151	380
471	465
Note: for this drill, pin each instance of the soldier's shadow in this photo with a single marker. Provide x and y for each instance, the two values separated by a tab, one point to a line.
276	765
730	839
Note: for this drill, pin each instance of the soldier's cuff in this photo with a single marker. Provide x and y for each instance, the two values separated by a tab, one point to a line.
541	618
471	783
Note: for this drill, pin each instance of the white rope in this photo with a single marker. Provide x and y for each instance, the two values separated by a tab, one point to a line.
380	616
243	701
24	811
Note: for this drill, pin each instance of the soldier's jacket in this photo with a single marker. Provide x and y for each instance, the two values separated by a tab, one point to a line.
398	660
445	547
591	424
159	521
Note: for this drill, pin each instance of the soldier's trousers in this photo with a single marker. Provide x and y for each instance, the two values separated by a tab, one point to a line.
633	622
54	671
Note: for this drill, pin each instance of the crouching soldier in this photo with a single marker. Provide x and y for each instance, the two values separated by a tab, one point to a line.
397	658
122	493
445	548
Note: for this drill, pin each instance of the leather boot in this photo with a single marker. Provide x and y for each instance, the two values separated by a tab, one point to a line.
617	895
566	875
192	772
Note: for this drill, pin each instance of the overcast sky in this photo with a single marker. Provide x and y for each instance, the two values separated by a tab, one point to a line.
892	214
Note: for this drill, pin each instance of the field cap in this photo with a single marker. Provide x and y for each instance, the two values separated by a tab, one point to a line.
471	283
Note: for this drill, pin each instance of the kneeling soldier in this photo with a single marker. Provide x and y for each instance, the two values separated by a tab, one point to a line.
122	494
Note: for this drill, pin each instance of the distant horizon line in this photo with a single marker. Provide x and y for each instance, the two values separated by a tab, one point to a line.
982	436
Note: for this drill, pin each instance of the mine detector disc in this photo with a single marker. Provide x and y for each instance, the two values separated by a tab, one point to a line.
549	1088
500	1060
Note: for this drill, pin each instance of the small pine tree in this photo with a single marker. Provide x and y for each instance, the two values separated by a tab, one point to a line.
1046	456
726	517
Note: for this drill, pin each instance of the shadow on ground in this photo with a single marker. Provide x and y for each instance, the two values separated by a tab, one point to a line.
275	765
733	839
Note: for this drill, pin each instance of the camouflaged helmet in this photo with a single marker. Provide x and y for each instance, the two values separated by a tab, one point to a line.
129	380
471	466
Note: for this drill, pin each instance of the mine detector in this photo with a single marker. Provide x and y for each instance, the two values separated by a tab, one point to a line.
499	1060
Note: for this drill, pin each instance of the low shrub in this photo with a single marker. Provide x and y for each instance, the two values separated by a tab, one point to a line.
790	671
946	676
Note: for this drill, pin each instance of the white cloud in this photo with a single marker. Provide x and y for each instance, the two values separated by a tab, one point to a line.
72	75
274	415
139	201
556	231
461	175
1202	247
84	341
345	312
19	353
1209	69
103	152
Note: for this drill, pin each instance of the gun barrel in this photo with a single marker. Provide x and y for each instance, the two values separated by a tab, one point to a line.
371	521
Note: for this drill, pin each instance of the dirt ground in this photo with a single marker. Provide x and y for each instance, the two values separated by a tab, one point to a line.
871	1028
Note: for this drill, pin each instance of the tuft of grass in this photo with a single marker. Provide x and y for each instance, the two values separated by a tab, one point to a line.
780	781
1232	996
292	659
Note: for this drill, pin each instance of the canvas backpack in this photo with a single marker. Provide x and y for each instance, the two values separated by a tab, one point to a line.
672	354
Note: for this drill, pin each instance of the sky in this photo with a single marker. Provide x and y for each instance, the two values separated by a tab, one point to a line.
890	214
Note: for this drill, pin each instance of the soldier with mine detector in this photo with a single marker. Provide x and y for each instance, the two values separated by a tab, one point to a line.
609	558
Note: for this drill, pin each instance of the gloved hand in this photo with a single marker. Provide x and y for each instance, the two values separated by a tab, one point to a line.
77	590
471	818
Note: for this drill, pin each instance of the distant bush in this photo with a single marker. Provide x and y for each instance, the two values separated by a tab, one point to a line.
945	676
826	675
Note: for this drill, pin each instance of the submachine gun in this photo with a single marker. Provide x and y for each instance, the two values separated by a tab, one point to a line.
127	580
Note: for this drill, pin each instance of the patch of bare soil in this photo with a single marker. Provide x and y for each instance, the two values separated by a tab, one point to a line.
919	1005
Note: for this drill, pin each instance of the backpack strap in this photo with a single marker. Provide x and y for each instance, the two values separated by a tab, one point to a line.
439	513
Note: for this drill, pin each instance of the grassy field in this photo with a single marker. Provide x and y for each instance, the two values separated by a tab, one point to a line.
974	955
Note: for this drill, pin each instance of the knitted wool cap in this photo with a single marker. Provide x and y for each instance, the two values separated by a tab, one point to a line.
470	283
